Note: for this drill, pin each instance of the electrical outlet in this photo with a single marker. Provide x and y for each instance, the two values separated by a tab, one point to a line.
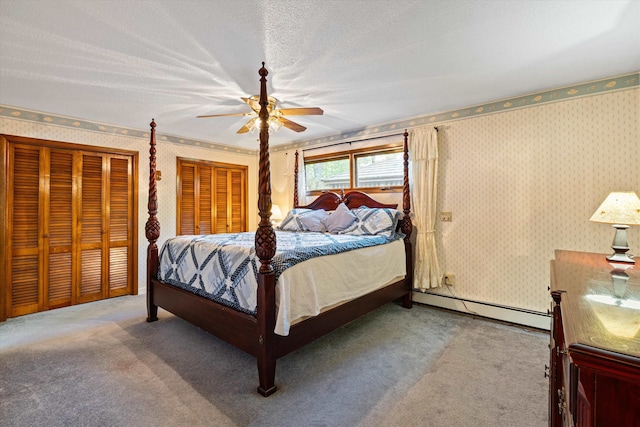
445	216
449	279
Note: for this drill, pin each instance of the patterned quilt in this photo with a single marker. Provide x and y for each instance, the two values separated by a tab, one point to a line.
224	267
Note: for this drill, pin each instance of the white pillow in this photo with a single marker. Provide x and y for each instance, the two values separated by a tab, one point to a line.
313	220
339	220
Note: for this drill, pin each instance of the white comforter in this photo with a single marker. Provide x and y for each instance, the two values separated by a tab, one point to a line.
308	288
313	271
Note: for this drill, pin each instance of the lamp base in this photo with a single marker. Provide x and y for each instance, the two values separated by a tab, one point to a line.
621	257
620	245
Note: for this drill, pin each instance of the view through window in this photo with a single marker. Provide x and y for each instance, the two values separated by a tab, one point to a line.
371	169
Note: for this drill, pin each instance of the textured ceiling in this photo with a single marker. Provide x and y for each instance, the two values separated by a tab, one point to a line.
365	62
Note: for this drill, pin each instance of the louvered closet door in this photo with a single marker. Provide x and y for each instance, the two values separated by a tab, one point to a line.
236	201
120	214
24	273
42	221
223	218
205	218
71	226
91	223
211	198
106	223
59	230
230	200
195	199
187	199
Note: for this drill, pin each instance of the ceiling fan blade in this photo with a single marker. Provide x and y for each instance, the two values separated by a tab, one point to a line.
248	126
255	105
310	111
222	115
291	125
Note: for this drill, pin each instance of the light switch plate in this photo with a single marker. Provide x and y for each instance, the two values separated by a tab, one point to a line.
445	216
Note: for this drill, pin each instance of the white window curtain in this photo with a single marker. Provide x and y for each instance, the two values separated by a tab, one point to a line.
423	150
289	174
302	193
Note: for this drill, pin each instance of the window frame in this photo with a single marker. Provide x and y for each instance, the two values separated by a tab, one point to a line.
352	156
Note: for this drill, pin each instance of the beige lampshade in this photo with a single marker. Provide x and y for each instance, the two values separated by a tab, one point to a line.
276	213
619	208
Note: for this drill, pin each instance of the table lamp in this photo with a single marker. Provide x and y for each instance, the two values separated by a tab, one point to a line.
621	209
276	214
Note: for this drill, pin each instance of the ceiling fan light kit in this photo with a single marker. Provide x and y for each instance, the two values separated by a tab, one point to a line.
276	115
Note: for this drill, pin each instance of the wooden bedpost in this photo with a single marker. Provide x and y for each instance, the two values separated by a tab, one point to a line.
295	182
152	228
265	250
407	226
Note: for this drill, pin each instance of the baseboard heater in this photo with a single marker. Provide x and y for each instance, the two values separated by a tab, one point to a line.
520	316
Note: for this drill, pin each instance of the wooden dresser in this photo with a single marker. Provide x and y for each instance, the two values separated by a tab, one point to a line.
595	342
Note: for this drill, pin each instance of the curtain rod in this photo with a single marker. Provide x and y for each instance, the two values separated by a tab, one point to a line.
359	140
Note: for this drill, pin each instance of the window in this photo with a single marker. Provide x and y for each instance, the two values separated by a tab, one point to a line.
327	174
370	169
384	169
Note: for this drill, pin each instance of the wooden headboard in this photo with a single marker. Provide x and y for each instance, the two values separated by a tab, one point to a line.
353	199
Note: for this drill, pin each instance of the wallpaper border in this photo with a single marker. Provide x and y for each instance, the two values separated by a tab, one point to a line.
87	125
595	87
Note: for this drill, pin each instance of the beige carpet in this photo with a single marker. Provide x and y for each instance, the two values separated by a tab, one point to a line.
101	364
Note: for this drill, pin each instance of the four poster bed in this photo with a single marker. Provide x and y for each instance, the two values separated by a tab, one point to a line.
263	321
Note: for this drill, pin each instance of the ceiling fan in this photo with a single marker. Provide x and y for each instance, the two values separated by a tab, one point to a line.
276	115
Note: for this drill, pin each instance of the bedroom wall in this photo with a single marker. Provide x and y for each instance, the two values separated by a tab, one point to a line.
525	182
520	184
167	153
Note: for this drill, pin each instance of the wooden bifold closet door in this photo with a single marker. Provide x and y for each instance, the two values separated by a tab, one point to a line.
211	197
71	226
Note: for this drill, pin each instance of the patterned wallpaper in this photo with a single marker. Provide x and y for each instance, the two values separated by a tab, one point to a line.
523	183
166	162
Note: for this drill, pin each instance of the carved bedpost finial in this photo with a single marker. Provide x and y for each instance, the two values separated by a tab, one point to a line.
295	182
407	225
152	228
265	236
